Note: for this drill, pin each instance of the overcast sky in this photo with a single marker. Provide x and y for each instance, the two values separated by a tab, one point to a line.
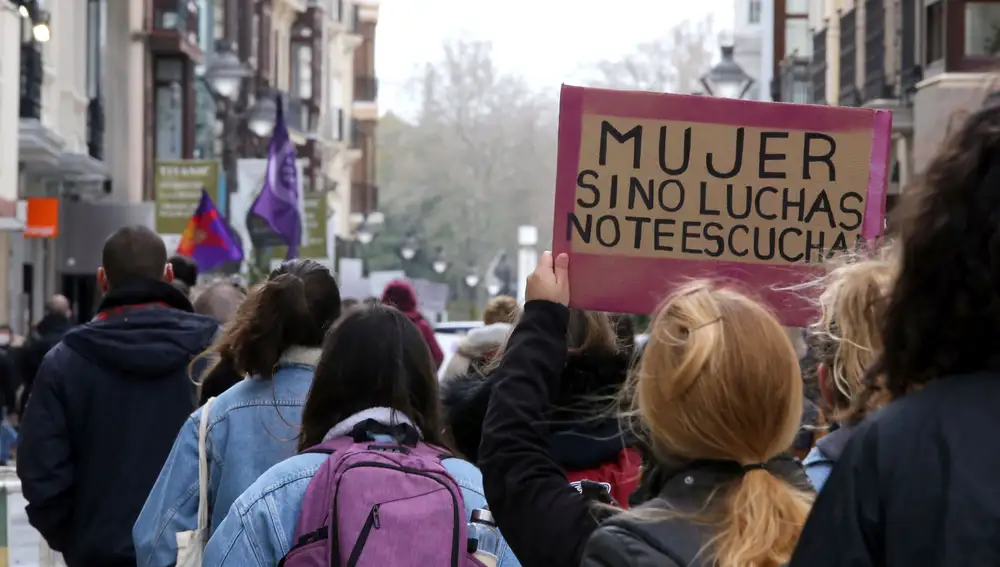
546	41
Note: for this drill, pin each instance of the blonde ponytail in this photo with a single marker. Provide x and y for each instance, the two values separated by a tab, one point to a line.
761	521
720	381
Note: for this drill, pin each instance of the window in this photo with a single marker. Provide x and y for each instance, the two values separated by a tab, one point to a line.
982	29
934	36
754	12
169	109
799	7
301	68
96	27
798	39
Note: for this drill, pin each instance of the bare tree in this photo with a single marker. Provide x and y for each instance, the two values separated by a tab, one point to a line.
672	63
477	161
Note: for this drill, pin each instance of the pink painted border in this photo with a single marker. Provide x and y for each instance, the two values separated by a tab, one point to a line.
637	285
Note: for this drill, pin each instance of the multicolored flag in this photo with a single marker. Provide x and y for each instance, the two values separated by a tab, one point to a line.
207	239
278	202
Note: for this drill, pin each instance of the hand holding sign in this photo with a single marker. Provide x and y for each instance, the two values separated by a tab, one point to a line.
550	280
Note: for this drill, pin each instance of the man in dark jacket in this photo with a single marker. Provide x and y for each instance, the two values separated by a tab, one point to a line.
46	334
107	405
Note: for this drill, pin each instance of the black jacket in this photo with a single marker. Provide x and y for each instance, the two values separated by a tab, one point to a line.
584	432
107	406
545	521
44	337
623	541
916	485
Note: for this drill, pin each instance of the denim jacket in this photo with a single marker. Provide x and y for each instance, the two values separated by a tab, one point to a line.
260	527
252	426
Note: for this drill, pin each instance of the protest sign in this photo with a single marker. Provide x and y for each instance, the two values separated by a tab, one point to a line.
654	189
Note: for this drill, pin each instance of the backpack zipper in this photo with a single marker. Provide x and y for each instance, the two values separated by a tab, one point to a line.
366	530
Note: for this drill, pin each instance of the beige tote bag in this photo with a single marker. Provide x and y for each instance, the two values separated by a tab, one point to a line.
191	544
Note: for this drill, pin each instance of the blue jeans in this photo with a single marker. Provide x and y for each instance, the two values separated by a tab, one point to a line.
8	437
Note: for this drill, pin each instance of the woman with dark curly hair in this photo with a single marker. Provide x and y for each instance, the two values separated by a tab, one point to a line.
918	483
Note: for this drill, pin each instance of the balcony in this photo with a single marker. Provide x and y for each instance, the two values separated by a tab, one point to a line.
334	8
365	89
848	95
876	86
364	197
817	69
175	29
95	129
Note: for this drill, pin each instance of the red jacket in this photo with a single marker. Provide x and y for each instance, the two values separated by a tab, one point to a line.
620	477
400	294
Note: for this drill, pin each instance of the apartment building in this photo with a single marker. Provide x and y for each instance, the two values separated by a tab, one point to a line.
364	189
748	44
926	60
51	88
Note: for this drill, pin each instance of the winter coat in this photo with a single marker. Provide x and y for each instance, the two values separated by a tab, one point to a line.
688	488
108	403
477	349
916	484
46	335
400	294
528	444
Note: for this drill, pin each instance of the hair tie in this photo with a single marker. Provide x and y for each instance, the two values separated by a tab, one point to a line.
754	467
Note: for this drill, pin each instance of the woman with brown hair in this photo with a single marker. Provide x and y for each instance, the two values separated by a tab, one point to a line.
917	484
275	340
846	340
718	396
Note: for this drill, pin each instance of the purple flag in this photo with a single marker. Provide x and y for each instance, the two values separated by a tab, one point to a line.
278	202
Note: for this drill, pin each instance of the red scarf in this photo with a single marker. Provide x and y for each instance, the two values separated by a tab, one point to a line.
119	310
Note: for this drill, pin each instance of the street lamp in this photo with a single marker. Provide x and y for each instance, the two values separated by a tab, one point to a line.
440	264
727	79
225	72
472	280
40	30
409	248
493	289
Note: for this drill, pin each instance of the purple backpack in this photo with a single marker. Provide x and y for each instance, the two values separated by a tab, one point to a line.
377	504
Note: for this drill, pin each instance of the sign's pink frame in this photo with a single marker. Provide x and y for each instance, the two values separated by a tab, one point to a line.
637	285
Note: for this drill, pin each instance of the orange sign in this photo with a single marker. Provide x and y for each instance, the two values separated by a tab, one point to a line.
43	218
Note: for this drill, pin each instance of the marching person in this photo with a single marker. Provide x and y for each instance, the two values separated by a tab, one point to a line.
276	339
107	404
719	396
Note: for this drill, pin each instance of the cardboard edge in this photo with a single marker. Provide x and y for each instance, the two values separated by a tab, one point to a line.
878	175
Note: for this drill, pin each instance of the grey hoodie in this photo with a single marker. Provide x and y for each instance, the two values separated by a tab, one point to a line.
479	342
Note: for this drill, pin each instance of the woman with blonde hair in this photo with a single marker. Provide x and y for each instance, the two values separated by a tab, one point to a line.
719	395
846	340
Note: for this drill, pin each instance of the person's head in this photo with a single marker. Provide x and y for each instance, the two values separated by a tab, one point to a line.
185	269
348	304
720	381
846	339
590	331
59	306
945	303
501	309
220	301
295	307
133	253
373	357
400	294
624	332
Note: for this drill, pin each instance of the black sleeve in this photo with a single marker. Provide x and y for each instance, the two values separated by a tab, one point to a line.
843	527
8	382
615	547
545	521
44	462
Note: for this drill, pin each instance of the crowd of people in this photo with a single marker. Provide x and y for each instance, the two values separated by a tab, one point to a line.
281	425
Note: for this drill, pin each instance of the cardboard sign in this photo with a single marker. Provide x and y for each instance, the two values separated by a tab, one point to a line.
654	189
